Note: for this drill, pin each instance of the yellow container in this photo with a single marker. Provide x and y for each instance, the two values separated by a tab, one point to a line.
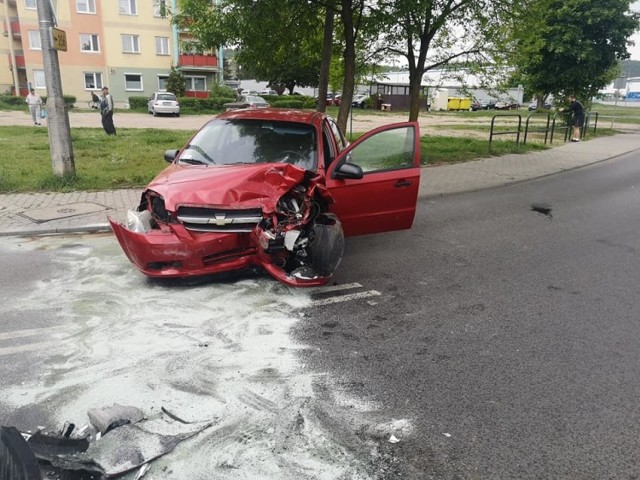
458	103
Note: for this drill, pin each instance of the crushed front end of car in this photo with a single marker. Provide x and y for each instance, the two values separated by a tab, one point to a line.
271	216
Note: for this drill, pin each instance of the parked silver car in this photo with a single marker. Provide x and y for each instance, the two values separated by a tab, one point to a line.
247	101
163	103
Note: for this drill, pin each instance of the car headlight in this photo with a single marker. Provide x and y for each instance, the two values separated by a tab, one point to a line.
139	222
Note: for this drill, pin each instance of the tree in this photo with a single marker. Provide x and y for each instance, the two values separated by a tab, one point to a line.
280	41
571	46
176	82
434	33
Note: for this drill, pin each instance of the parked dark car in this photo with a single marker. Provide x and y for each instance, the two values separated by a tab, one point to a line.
483	105
507	105
247	101
274	189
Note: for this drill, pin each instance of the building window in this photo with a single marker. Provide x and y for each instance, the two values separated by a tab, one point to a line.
86	6
34	40
93	81
162	82
30	4
162	45
89	43
195	84
38	79
128	7
133	81
130	44
160	8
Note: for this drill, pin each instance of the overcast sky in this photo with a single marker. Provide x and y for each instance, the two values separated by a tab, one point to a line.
635	50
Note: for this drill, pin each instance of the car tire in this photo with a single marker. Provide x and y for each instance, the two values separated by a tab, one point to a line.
155	114
177	114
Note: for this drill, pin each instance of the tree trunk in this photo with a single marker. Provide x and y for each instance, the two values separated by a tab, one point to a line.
327	44
415	81
349	65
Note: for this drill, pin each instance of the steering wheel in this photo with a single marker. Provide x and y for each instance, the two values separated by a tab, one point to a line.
291	156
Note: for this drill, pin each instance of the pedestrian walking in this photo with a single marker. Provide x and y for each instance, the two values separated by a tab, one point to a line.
577	117
34	102
106	109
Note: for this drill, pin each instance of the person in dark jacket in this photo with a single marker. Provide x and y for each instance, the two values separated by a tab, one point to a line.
577	117
106	109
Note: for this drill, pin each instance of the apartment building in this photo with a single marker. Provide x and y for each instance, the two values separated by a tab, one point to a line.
126	45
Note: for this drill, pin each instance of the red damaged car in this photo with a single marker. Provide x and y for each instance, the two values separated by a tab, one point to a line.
276	189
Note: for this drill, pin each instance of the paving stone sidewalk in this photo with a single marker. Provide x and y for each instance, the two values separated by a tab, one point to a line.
24	214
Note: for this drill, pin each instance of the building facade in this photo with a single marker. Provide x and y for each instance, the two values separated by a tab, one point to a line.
126	45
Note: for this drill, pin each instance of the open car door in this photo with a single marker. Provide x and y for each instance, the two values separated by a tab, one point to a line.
375	180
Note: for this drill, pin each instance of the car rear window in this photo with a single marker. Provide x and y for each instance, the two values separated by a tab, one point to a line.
166	96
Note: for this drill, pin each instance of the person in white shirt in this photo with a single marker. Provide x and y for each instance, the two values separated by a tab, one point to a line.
35	105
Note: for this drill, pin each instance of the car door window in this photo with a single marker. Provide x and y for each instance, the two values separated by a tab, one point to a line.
337	135
388	150
328	146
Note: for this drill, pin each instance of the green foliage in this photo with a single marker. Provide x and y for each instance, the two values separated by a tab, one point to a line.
292	101
69	100
138	103
219	90
279	41
571	46
11	100
176	82
200	105
287	103
131	159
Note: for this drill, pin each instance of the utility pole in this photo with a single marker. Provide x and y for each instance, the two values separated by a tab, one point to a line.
58	117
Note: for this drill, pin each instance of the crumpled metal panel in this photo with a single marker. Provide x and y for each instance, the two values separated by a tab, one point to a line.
236	186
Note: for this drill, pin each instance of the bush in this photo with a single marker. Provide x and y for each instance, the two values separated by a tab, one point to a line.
218	90
69	100
136	103
11	100
287	103
294	101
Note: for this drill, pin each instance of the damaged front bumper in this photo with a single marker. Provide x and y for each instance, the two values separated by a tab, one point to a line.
296	257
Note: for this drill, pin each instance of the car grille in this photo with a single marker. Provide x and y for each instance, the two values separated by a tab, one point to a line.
199	219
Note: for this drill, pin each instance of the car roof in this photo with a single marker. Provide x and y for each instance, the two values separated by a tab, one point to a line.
278	114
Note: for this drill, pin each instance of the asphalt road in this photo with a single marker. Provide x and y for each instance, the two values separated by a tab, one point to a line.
506	340
490	341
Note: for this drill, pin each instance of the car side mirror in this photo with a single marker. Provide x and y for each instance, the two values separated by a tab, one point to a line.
348	170
170	155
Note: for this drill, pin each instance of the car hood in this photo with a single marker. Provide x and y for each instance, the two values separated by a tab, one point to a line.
231	186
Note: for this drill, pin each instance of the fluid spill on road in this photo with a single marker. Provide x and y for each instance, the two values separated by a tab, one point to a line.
217	351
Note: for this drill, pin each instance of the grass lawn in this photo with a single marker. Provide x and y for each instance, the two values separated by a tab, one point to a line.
135	156
130	159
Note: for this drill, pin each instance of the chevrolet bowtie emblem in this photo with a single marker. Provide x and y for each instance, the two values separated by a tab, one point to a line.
221	219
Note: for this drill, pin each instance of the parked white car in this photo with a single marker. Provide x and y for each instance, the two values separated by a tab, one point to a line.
163	103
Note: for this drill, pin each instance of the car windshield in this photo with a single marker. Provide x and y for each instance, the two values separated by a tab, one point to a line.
229	142
166	96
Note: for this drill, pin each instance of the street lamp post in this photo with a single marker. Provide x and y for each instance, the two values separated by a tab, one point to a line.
57	118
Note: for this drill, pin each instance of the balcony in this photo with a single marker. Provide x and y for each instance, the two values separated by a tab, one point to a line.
198	62
20	63
15	28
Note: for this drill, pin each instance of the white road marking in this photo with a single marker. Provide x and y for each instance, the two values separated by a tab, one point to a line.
26	348
26	333
346	298
334	288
